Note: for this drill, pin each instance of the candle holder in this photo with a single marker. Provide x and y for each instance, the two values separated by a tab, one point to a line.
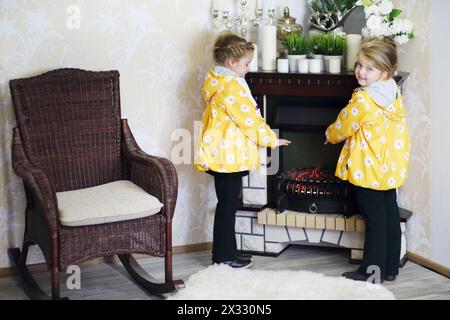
271	16
243	21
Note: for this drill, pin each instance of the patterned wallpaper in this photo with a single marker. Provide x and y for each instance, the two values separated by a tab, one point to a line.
415	195
161	48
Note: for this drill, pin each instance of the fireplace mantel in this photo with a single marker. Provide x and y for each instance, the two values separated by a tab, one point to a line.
307	85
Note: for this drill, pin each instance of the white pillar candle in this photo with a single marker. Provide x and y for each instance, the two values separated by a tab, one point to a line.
283	65
253	66
303	65
352	50
315	65
269	48
259	44
335	65
259	4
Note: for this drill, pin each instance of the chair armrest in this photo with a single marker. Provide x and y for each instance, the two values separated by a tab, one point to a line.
155	175
37	182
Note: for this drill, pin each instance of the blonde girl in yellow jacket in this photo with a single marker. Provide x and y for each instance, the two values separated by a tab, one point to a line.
375	156
232	130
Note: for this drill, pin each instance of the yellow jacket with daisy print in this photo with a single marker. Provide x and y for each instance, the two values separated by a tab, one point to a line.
232	127
376	150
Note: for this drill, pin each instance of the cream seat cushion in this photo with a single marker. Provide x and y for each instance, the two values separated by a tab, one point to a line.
111	202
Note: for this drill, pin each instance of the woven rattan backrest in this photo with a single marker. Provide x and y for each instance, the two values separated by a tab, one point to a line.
69	121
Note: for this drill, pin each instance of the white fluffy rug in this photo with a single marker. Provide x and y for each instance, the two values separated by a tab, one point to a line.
220	282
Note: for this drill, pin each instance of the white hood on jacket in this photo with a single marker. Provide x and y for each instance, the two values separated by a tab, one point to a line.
383	92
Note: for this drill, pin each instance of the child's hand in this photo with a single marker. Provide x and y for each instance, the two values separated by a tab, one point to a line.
283	142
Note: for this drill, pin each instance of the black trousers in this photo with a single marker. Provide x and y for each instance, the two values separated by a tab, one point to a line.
228	190
383	234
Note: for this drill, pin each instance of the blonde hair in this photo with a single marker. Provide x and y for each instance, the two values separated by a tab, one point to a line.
230	45
383	53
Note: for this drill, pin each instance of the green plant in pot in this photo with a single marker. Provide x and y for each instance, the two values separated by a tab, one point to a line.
334	44
318	47
330	45
297	46
335	47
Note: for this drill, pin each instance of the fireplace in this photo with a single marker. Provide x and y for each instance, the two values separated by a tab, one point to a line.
312	190
301	106
305	181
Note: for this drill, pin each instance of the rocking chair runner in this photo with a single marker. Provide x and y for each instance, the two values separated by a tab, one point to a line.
70	139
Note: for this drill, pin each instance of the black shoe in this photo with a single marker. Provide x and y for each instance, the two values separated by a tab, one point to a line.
244	256
390	277
355	275
237	263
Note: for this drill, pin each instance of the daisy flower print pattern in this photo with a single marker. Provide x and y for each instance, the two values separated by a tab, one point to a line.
403	173
368	161
230	100
393	166
230	158
243	94
407	157
391	181
358	175
399	144
266	139
224	144
208	139
245	108
249	122
237	128
363	146
376	139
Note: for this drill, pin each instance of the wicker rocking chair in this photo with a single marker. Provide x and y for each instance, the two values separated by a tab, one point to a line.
91	191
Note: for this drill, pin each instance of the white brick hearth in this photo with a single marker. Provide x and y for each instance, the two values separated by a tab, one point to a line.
269	233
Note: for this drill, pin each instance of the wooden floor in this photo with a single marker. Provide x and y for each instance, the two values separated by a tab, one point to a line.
110	281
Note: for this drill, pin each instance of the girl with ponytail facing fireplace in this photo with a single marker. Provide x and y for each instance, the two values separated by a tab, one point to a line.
232	130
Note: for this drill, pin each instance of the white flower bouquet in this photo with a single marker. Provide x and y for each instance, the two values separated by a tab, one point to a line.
383	20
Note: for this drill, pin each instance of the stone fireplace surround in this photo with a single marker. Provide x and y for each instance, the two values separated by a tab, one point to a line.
304	103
